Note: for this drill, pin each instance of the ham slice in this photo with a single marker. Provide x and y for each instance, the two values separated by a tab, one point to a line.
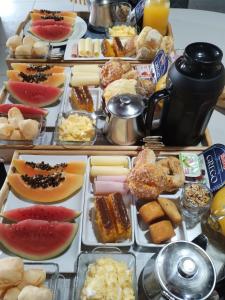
104	187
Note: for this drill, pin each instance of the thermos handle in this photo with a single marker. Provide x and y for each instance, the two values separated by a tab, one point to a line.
151	105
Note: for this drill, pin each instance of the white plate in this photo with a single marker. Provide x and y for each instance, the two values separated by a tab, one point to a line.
142	236
96	94
142	233
67	259
80	28
88	233
53	109
68	53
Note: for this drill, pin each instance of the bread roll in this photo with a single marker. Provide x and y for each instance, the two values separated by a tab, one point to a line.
29	40
35	293
23	51
5	130
11	271
13	42
16	135
12	294
161	232
142	37
119	87
130	46
29	128
151	211
3	120
40	49
170	210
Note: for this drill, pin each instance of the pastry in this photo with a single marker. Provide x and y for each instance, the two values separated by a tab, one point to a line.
104	221
113	70
29	40
11	271
148	43
106	187
40	49
146	181
119	87
35	293
174	173
108	170
107	49
151	211
120	216
118	47
81	99
170	210
167	44
145	87
161	231
130	47
23	51
29	128
13	42
34	277
12	294
111	218
109	161
146	156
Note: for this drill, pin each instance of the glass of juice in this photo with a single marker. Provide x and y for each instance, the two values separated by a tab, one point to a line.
156	13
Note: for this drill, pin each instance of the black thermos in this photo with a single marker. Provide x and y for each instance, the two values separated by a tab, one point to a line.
194	84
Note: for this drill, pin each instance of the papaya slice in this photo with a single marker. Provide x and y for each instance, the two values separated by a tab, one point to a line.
32	69
37	16
54	79
45	188
37	239
44	12
41	212
30	168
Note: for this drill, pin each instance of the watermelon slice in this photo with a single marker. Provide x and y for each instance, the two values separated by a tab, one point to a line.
36	239
37	95
52	33
41	212
26	110
50	22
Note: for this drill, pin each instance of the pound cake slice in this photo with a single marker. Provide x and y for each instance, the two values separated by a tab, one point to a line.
104	221
111	218
121	218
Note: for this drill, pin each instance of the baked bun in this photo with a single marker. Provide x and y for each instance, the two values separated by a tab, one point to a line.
167	44
119	87
130	46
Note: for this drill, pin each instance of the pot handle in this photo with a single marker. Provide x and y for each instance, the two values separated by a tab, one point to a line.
151	105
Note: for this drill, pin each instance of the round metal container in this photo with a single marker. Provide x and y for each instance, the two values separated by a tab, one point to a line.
182	270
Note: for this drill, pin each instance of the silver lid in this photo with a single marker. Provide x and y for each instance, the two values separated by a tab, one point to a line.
126	106
185	271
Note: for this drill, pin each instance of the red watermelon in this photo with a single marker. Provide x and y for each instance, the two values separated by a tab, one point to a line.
34	94
37	240
52	33
50	22
26	110
41	212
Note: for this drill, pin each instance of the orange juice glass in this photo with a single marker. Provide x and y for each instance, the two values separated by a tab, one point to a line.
156	13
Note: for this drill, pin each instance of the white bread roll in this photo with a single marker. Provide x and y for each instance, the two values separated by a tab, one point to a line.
14	41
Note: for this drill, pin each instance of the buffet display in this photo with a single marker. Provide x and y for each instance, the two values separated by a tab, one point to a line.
75	212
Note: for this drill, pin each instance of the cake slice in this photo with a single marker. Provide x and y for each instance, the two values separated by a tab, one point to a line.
104	221
120	215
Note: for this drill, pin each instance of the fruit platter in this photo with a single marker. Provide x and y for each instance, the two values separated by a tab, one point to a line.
41	35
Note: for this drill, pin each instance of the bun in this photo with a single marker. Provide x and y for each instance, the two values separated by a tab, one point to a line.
171	210
13	42
130	46
151	211
23	51
161	231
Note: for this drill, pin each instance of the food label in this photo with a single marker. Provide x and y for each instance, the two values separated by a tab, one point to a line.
213	162
139	10
159	65
190	164
156	69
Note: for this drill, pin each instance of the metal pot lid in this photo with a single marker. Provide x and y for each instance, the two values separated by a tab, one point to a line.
185	271
126	106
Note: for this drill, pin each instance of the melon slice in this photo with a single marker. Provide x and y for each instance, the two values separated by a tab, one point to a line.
48	193
54	79
37	16
41	212
52	33
37	95
26	110
23	167
44	12
36	239
32	69
50	22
